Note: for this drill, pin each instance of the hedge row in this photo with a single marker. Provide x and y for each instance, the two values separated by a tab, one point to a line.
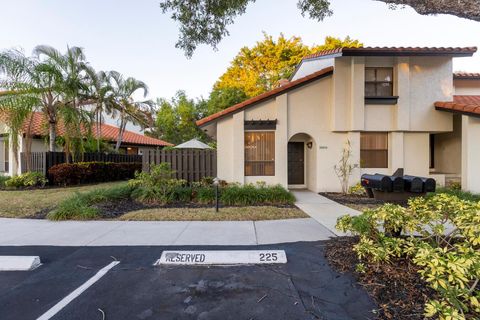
91	172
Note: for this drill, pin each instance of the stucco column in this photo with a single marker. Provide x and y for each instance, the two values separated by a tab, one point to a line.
238	147
396	151
354	138
281	141
14	168
357	102
402	90
470	154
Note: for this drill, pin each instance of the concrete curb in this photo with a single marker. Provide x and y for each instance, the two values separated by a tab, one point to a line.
19	263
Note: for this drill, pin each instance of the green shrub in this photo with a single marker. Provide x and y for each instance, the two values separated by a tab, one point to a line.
27	180
158	186
159	174
205	195
79	206
3	179
183	194
92	172
449	261
250	194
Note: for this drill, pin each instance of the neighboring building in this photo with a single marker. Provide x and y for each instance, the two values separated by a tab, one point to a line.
132	143
382	100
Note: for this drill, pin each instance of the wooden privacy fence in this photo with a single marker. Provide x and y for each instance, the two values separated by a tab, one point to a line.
42	161
188	164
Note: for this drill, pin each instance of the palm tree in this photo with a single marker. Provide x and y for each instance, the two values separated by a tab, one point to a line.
129	109
101	93
19	95
68	94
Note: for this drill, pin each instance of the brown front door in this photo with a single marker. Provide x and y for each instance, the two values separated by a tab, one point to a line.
296	163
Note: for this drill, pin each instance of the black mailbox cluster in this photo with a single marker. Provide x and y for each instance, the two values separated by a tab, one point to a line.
384	183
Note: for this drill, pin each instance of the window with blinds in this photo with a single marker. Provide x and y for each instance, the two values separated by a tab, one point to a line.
374	150
260	153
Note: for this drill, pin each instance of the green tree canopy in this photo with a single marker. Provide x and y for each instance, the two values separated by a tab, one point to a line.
206	21
175	120
258	69
221	99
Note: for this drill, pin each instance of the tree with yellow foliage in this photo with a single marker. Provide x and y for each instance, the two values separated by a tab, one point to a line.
258	69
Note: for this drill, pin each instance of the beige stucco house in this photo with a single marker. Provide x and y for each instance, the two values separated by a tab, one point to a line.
397	107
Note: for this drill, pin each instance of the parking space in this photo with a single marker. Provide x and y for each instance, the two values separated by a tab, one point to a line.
304	288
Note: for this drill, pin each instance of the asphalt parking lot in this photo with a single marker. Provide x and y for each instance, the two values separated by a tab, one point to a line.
304	288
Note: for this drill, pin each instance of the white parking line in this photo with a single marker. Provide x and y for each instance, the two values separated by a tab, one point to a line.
65	301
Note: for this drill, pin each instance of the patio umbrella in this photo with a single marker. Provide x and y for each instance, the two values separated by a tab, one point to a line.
193	144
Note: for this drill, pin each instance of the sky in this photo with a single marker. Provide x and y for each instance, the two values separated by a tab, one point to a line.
137	39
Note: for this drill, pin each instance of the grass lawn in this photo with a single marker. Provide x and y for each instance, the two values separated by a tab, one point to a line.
209	214
25	203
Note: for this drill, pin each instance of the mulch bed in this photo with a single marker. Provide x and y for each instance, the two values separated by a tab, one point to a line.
357	201
397	288
114	209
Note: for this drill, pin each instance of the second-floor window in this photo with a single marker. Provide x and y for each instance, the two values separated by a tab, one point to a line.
378	82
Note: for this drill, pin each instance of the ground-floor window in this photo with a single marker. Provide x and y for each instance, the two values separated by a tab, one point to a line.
260	153
374	150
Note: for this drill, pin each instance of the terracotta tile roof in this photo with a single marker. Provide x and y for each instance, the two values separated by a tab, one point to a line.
469	105
396	51
267	95
466	75
109	132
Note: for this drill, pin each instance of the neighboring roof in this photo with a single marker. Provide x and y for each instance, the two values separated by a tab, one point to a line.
193	144
267	95
466	75
108	132
468	105
396	51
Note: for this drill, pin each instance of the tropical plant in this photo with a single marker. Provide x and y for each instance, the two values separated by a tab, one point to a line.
71	86
26	180
20	95
446	250
126	107
100	92
80	206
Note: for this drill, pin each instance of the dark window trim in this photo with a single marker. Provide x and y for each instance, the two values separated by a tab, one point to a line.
381	100
260	125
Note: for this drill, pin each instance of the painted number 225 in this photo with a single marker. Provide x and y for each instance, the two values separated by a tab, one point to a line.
268	257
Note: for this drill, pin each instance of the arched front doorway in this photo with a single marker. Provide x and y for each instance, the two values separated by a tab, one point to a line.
301	161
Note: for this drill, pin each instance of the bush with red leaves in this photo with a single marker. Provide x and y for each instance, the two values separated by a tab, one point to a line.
66	174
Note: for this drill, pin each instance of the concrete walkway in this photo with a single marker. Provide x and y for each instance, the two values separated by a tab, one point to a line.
322	209
25	232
